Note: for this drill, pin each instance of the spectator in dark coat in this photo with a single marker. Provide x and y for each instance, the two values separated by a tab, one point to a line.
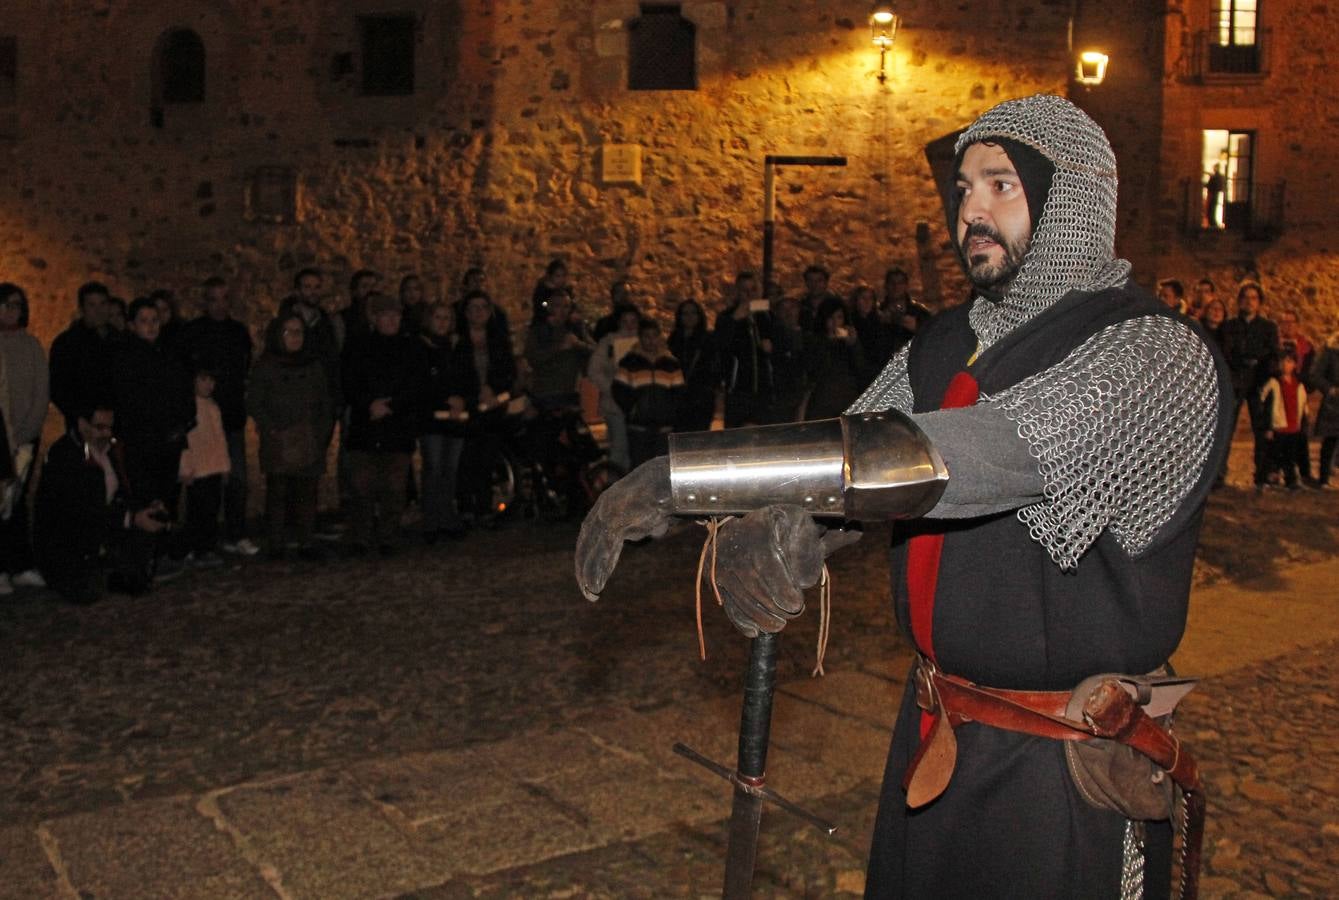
817	299
794	352
442	436
81	355
744	340
155	408
620	296
1251	342
356	317
320	339
170	322
1324	378
691	344
556	347
383	386
290	401
877	338
486	377
218	343
840	373
87	536
413	302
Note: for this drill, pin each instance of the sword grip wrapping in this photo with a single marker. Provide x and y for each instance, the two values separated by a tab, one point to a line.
755	717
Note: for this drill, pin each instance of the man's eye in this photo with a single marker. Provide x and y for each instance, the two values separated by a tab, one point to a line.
1003	187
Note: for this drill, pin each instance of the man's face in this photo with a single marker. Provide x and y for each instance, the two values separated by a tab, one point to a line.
789	312
309	290
746	288
217	302
145	324
1168	296
96	431
649	338
93	310
387	323
994	226
1287	325
1249	304
896	286
1204	292
815	283
365	285
477	312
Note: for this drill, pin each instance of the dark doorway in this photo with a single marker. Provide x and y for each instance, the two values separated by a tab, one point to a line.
662	50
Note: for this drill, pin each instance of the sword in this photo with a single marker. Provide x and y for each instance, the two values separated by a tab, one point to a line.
750	774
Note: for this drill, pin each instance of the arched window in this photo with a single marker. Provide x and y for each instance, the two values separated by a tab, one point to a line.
662	50
180	66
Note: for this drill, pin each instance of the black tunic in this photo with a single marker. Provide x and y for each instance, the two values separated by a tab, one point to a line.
1003	614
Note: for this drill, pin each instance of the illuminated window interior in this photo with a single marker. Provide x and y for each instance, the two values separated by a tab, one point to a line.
1226	178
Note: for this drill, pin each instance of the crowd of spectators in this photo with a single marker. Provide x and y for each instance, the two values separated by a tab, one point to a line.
150	476
1275	369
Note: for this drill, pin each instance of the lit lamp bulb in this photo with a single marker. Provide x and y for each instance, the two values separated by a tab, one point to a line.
883	26
1092	68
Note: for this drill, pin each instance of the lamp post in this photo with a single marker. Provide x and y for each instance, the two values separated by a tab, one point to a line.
883	24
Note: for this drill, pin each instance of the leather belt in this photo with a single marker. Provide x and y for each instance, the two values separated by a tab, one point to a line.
1110	711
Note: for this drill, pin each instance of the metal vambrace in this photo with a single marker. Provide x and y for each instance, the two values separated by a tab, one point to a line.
867	467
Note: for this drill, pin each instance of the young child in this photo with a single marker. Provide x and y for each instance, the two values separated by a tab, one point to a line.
1283	406
204	466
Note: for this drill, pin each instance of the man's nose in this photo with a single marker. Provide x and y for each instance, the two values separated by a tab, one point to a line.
973	209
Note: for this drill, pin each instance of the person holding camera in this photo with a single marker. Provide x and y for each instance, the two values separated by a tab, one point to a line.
839	372
88	536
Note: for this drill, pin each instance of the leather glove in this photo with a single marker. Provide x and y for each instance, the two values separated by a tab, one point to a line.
764	562
634	507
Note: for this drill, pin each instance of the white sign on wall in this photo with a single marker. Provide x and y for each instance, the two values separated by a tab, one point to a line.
621	163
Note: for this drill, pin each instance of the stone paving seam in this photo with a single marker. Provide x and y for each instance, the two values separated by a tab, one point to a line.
51	847
208	806
831	710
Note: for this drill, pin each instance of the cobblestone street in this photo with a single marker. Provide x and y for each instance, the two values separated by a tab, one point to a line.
457	722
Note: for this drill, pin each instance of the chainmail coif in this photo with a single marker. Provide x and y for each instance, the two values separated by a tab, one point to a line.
1074	242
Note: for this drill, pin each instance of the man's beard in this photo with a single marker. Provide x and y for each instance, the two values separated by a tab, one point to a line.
993	278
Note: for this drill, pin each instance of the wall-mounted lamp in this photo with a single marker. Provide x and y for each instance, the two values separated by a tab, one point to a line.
883	24
1091	68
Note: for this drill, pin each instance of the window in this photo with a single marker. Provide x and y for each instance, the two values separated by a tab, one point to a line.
9	70
181	67
272	195
662	50
1227	179
1234	39
388	55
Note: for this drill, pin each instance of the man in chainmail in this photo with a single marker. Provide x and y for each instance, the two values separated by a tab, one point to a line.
1082	423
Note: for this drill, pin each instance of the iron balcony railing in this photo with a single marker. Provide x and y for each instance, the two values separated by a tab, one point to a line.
1253	211
1235	55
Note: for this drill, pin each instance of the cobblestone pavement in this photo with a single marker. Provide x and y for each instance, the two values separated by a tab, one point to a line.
457	722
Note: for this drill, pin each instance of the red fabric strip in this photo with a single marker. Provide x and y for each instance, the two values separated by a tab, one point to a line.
923	551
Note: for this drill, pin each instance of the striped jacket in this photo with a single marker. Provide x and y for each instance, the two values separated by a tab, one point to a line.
648	391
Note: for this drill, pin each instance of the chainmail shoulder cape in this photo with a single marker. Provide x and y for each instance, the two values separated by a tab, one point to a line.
1120	428
1074	241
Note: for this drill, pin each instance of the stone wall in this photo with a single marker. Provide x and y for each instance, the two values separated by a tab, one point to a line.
494	160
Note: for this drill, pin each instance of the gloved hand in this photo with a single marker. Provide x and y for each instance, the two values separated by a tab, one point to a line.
764	562
634	507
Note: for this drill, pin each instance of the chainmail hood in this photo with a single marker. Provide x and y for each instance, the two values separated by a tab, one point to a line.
1074	242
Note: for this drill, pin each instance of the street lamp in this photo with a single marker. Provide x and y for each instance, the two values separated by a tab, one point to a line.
883	24
1091	68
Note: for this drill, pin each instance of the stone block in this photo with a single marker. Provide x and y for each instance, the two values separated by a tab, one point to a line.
706	15
483	839
428	786
611	43
158	848
326	840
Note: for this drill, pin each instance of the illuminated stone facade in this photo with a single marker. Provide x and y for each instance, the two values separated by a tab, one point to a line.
494	158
